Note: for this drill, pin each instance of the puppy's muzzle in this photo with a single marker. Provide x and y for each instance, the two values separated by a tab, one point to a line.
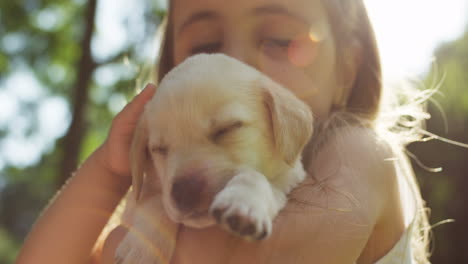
187	192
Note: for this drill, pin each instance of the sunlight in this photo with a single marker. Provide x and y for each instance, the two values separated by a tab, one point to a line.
408	31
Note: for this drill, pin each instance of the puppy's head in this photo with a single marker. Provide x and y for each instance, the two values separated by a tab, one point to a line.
211	116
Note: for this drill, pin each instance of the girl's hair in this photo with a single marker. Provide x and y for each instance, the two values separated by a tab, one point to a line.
398	117
166	59
395	120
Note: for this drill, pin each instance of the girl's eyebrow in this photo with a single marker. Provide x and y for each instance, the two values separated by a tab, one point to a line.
198	16
261	10
277	9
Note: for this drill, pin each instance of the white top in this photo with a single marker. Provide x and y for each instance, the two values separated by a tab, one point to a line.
401	253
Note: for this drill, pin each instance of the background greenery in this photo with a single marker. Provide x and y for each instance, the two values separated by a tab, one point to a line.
52	41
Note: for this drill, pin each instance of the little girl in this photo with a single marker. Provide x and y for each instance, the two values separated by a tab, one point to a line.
360	203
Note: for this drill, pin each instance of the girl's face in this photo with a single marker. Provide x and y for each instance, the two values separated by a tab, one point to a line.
289	40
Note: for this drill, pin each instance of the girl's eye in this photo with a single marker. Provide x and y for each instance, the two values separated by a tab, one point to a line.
281	43
276	48
206	48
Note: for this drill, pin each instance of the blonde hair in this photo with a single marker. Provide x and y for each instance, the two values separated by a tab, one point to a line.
395	120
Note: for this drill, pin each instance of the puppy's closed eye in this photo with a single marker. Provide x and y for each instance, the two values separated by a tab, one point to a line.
162	150
225	129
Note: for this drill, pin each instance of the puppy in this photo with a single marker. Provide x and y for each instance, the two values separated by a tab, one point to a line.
218	143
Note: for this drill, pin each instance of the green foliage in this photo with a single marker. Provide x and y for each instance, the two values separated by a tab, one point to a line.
445	191
8	247
452	65
45	38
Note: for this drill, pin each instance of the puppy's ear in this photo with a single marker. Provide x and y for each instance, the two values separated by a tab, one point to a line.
139	156
291	119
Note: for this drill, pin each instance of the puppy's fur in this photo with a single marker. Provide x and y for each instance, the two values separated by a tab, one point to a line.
218	143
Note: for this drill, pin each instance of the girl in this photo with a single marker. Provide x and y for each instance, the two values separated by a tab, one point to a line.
360	203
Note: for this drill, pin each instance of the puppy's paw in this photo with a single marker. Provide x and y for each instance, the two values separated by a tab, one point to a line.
136	249
242	212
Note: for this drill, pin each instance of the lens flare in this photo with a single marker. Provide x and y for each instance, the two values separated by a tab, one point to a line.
304	49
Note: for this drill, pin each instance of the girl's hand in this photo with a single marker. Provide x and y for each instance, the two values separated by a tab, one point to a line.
114	153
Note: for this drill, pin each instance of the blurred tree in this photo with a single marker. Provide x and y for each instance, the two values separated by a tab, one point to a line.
55	44
445	192
79	98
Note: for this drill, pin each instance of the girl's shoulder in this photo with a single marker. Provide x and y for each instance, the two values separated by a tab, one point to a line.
357	148
352	138
353	178
367	163
358	160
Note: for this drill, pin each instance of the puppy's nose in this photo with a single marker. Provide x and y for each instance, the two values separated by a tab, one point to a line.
187	192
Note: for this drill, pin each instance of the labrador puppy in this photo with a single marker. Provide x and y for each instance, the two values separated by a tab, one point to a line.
219	143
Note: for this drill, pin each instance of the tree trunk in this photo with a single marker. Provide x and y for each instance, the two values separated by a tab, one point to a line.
75	134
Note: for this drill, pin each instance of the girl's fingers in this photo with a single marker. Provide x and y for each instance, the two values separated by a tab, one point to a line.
133	110
147	92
